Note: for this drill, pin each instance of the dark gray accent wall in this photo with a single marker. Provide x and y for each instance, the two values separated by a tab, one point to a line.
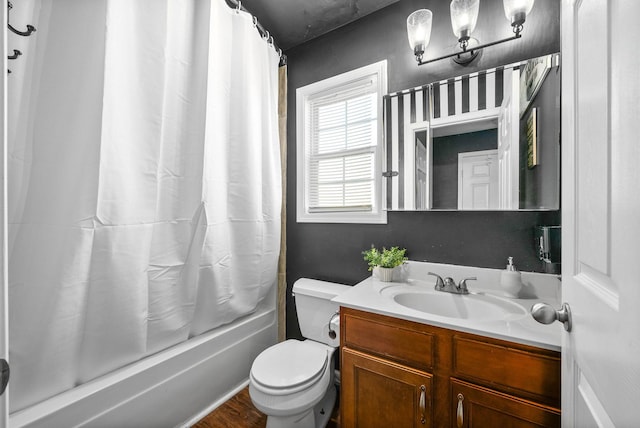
538	185
332	252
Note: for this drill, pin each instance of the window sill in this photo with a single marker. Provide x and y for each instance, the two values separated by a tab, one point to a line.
343	217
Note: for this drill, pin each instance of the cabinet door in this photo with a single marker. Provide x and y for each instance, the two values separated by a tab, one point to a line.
475	406
378	393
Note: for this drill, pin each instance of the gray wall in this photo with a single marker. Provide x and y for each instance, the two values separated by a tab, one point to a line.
538	186
332	252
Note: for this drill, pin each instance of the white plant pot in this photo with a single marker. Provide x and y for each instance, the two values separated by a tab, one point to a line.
385	274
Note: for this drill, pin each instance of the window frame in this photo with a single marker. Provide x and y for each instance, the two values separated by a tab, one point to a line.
304	95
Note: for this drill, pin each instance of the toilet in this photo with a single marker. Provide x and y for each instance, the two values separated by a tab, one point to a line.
292	382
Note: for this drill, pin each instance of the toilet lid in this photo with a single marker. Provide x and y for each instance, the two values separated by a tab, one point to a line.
289	364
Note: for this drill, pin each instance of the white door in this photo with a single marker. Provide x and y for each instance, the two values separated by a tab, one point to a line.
4	335
419	153
478	180
509	144
601	213
421	171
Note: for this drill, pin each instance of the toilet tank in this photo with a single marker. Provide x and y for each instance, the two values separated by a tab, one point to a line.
315	309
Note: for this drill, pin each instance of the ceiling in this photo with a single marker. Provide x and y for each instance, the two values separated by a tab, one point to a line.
292	22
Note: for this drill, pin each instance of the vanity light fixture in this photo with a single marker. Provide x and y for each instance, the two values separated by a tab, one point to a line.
464	16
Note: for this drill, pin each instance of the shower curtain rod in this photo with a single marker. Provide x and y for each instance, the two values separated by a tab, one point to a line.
237	4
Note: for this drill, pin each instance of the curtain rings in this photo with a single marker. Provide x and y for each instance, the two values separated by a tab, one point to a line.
266	35
280	52
255	22
239	7
270	41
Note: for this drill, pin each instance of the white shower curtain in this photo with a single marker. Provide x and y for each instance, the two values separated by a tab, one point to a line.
144	184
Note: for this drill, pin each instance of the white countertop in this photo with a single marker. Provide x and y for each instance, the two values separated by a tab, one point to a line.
373	295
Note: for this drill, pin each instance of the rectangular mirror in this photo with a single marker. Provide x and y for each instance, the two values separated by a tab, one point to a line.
489	140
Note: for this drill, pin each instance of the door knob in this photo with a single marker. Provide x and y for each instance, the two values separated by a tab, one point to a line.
546	314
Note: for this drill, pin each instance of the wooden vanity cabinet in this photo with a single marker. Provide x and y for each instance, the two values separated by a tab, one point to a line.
398	373
476	406
384	394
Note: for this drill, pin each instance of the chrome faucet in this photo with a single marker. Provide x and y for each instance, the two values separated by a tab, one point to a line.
448	285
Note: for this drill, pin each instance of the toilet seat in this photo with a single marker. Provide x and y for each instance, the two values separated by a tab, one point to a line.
289	367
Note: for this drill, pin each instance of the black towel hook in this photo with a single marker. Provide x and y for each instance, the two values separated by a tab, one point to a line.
30	28
16	54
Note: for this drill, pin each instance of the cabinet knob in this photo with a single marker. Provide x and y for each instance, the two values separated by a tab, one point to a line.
460	411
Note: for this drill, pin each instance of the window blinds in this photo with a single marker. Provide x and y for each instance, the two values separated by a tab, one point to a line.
342	147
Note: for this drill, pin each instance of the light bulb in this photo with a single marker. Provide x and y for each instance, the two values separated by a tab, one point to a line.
516	11
419	29
464	16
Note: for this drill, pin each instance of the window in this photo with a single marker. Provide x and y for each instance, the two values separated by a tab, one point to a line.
339	146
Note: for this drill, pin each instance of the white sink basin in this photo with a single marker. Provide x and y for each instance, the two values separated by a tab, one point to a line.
470	306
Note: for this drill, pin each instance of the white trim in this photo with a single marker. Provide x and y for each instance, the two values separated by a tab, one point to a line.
473	92
303	95
490	90
444	102
473	116
395	145
419	109
410	131
408	158
457	93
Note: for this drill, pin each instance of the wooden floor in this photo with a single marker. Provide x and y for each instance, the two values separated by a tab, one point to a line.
239	412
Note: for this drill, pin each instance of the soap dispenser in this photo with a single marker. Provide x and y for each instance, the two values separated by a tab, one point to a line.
510	280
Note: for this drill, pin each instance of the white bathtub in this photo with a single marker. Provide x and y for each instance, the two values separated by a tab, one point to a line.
175	387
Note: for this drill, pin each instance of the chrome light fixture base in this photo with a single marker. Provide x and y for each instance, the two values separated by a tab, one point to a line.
418	51
466	51
475	49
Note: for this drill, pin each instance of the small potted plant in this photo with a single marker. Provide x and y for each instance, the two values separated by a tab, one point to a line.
385	261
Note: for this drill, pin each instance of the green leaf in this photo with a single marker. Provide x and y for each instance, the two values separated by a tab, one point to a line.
387	258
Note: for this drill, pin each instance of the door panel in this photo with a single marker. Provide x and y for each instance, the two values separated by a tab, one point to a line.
478	180
600	208
475	406
508	144
592	129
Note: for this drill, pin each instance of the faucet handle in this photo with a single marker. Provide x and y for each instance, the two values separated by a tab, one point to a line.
439	281
462	286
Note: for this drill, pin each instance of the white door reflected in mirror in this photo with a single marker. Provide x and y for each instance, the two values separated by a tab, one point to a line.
478	180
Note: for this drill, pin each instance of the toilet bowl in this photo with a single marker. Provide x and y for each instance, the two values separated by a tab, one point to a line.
289	379
292	382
